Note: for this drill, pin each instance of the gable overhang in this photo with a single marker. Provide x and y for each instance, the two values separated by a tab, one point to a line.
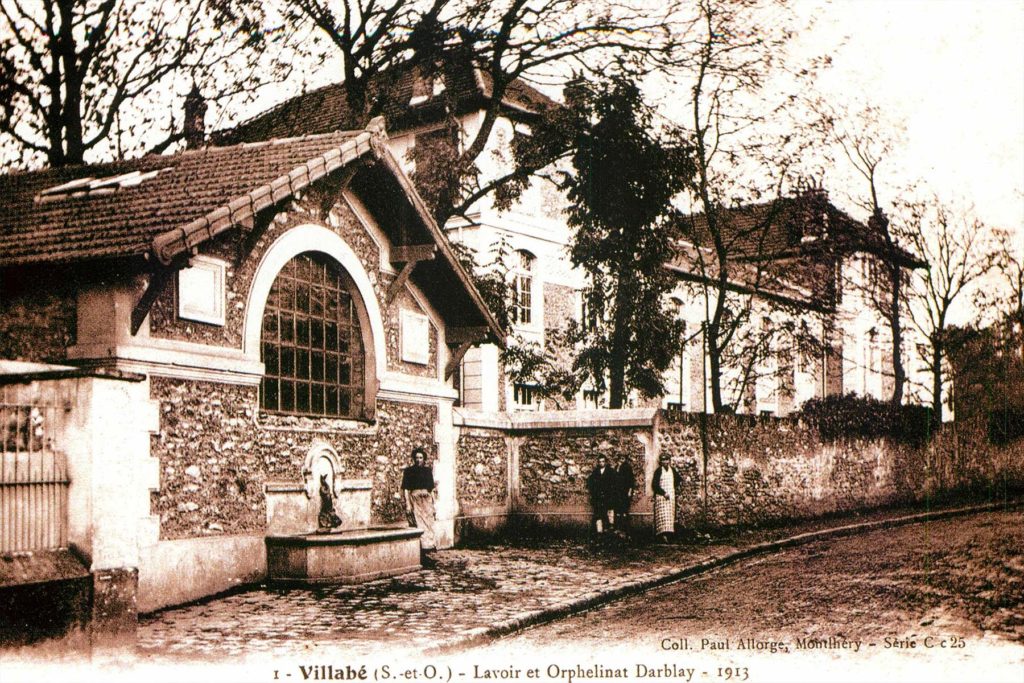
378	179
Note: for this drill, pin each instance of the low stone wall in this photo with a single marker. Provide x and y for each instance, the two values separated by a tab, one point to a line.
212	565
735	469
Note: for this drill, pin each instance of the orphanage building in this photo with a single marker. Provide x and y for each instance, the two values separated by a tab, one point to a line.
802	263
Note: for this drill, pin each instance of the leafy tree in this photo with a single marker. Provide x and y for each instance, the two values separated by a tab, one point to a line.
624	178
83	78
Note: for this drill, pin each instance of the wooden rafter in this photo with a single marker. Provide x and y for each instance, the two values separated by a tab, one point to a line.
158	279
409	255
456	358
461	335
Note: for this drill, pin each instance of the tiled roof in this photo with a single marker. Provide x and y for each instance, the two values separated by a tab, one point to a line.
325	109
794	283
163	206
119	221
792	226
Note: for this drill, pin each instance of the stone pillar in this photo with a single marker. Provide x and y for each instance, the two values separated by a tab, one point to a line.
114	607
444	475
121	419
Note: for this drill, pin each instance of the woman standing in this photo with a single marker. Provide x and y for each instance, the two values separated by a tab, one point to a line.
664	487
418	489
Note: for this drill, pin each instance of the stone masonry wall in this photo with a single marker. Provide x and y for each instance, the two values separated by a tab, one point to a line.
766	470
216	453
37	320
761	471
554	463
481	469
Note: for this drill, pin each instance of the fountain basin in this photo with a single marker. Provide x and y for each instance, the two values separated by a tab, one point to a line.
347	556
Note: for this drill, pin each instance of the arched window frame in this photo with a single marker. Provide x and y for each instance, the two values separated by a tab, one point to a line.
312	237
312	343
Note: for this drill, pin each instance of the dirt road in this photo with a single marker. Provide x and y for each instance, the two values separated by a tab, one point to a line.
934	601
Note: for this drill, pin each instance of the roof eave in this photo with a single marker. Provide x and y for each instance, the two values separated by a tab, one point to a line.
689	276
384	155
170	244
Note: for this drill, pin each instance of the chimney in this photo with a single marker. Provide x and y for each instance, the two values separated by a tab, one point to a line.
195	119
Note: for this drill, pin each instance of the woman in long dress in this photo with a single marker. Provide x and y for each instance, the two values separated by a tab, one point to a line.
664	486
418	488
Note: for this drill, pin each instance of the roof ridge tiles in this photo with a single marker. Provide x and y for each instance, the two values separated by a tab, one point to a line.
169	243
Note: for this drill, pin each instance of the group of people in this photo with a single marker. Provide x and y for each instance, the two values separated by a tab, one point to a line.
611	493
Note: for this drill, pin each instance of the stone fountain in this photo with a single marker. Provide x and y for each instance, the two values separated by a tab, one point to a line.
318	528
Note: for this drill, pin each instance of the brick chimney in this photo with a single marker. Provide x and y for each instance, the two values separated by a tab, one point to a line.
195	119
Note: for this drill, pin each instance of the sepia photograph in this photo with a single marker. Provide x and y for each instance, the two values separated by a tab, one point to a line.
502	341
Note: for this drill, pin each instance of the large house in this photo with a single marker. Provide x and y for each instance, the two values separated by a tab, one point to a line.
812	283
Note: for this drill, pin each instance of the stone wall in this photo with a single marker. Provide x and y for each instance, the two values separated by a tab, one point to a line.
760	470
37	318
766	470
216	453
554	463
482	493
481	469
742	469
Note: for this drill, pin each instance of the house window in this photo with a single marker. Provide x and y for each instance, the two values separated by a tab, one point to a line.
522	289
311	342
525	395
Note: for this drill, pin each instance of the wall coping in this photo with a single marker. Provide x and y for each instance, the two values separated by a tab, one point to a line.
556	419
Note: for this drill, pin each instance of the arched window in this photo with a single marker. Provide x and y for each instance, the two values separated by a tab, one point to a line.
311	342
522	289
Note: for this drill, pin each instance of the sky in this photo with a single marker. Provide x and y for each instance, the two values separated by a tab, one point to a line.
953	71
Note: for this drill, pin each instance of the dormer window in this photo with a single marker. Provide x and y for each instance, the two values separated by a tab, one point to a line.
424	88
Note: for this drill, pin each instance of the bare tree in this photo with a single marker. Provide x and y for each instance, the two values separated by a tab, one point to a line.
505	40
84	78
1008	296
958	249
742	153
868	141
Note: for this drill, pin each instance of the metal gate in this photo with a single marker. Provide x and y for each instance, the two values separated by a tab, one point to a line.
33	480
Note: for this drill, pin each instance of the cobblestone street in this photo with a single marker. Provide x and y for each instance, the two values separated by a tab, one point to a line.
469	591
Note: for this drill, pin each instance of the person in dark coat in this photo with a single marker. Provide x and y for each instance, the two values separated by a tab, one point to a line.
418	490
601	484
625	484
